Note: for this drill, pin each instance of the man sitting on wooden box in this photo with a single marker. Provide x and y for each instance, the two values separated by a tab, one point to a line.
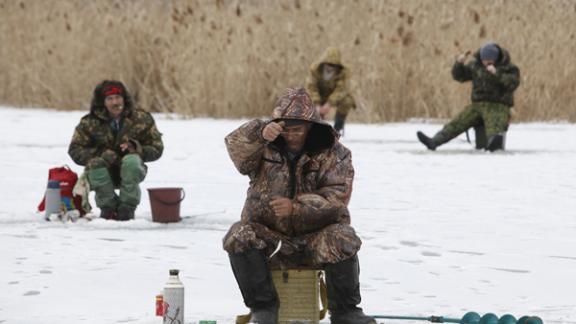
300	184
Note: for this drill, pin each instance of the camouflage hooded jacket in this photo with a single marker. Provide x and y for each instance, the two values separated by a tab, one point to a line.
332	91
94	134
498	88
319	184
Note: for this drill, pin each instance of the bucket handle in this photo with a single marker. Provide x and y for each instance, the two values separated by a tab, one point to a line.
171	203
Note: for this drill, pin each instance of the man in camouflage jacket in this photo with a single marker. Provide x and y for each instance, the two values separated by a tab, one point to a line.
112	142
327	87
300	184
494	80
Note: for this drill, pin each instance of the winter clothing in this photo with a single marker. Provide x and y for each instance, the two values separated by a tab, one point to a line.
431	143
96	145
255	282
343	289
319	182
333	91
490	52
488	87
494	116
492	99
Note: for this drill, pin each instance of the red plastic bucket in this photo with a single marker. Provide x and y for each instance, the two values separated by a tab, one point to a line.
165	204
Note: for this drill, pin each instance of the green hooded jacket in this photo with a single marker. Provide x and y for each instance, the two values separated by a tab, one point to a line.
487	87
94	134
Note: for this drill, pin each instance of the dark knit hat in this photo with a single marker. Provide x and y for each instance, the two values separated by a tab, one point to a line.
490	52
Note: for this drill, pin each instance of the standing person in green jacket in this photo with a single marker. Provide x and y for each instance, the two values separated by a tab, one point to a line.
113	141
494	80
327	87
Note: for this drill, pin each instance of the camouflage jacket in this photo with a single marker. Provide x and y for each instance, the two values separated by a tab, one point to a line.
94	134
486	86
332	91
319	183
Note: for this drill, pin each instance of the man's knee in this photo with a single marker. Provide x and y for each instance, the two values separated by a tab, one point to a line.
96	163
345	105
132	168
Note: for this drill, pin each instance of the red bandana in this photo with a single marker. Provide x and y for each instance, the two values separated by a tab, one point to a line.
112	90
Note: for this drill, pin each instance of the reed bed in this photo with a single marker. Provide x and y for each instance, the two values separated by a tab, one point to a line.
230	58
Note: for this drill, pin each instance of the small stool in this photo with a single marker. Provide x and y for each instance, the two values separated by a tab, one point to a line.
300	291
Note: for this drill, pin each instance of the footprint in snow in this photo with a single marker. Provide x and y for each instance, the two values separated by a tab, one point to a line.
409	243
431	254
111	239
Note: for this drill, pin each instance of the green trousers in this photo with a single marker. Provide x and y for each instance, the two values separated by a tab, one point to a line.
101	176
494	116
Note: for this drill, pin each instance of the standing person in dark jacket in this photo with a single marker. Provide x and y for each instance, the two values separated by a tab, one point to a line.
494	80
112	142
300	185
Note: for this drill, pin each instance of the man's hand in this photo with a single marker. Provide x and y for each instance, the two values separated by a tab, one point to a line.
272	130
281	206
128	148
324	110
491	68
462	57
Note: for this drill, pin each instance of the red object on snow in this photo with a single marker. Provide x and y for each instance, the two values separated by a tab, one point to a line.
159	305
67	179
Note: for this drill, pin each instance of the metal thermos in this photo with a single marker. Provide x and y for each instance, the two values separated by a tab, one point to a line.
53	199
173	299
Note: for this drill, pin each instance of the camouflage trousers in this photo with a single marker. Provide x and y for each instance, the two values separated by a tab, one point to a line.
127	176
494	116
332	244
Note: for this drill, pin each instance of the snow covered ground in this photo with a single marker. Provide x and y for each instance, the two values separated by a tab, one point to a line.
443	232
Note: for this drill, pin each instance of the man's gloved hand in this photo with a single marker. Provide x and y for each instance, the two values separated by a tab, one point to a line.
109	156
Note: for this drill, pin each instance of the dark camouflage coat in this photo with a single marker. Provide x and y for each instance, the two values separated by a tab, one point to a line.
319	184
334	91
487	87
94	134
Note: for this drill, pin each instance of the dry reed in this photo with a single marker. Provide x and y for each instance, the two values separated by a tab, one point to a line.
229	58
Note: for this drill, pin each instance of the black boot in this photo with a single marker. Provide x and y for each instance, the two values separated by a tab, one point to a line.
343	288
256	286
434	142
495	142
339	120
125	213
107	213
480	137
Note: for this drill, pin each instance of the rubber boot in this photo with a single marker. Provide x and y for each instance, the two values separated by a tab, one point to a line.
343	288
101	182
107	213
434	142
339	121
480	137
132	173
256	286
125	213
495	142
